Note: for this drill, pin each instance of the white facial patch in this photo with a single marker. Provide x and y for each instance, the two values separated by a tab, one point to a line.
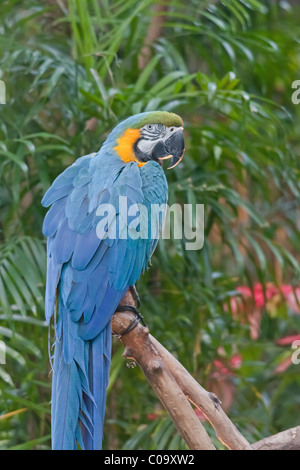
149	139
146	146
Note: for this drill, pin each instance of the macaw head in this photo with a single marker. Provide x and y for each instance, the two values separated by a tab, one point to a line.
149	136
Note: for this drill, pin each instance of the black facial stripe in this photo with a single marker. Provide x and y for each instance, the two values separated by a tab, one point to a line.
150	136
153	132
141	156
149	139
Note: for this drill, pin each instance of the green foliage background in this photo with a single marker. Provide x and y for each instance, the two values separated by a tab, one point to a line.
72	70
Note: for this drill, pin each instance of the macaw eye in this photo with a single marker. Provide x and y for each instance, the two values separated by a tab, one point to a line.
149	126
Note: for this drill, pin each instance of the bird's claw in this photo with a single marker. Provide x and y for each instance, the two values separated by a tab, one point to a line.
135	296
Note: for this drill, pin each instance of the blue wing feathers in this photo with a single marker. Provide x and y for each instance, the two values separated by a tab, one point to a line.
55	195
74	203
85	248
64	242
53	218
101	317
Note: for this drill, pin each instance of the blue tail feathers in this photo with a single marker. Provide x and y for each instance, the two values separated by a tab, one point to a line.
80	379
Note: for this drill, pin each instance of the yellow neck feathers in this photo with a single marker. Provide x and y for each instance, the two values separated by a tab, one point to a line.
125	146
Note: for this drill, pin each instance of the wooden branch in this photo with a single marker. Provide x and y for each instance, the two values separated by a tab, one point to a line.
205	401
285	440
175	388
139	347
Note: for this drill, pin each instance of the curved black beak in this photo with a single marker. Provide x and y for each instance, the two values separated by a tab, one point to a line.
173	148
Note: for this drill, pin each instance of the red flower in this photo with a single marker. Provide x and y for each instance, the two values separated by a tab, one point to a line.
292	298
249	306
283	365
287	340
152	416
227	369
236	361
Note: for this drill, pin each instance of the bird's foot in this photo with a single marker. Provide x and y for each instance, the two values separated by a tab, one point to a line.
135	296
138	318
131	308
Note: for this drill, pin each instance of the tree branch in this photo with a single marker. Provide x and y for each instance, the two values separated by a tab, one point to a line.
285	440
175	388
140	348
205	401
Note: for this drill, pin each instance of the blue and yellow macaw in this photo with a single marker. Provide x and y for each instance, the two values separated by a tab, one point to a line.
88	274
